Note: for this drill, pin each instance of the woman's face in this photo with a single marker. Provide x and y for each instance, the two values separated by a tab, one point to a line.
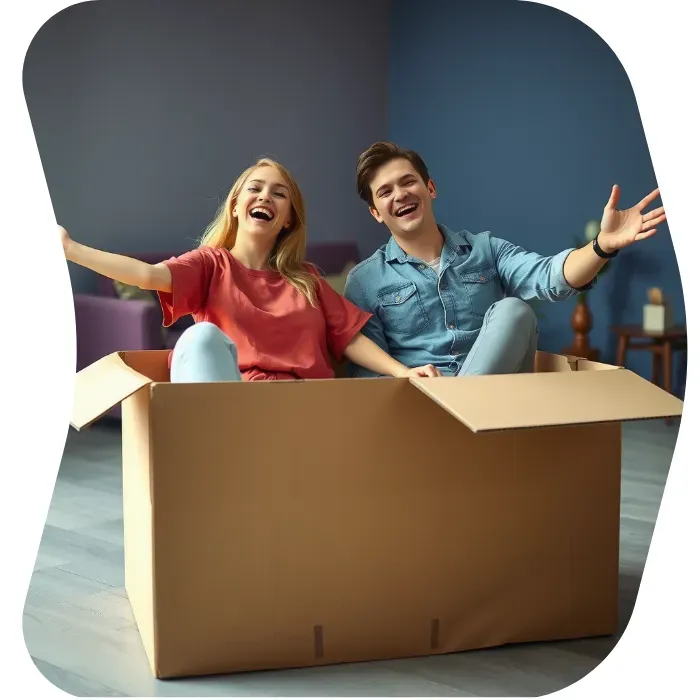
263	205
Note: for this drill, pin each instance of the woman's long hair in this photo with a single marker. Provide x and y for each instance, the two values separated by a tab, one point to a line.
287	255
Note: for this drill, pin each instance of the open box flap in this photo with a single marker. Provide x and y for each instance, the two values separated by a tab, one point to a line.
509	401
101	386
550	362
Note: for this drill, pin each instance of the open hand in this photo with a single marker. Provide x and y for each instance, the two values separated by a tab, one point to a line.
618	229
424	371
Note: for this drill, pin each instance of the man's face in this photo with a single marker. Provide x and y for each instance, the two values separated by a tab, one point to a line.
401	199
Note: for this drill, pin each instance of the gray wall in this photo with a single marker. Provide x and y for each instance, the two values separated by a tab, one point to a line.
146	111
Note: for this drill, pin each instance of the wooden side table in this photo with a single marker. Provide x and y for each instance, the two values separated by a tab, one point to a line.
660	345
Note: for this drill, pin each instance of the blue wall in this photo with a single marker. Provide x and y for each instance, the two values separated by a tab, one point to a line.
526	119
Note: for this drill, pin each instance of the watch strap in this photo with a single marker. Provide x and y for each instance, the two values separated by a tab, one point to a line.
600	252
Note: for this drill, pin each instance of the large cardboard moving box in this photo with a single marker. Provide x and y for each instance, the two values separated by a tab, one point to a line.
288	524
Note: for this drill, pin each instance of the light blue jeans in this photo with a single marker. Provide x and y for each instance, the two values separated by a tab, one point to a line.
507	342
204	353
506	345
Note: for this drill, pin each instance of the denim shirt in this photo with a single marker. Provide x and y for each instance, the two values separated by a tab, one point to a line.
422	318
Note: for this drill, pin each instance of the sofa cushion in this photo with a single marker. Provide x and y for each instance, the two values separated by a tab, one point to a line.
337	281
131	291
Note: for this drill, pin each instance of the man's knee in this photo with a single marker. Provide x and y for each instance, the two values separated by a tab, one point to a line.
517	312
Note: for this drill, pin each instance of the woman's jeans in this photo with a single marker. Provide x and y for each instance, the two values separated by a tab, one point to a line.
204	353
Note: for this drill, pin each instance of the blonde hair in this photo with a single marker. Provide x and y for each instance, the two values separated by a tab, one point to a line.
287	255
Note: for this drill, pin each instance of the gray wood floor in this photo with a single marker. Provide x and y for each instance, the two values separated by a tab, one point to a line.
81	634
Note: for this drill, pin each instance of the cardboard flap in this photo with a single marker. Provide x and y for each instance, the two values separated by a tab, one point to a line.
101	386
504	402
549	362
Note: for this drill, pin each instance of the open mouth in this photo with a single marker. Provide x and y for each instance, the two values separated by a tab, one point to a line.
261	214
406	210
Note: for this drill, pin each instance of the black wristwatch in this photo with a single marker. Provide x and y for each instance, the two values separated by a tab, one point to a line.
600	252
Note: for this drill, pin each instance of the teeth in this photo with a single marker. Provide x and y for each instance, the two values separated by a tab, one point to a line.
260	210
403	210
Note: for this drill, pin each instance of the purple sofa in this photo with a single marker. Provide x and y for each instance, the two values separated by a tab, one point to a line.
106	324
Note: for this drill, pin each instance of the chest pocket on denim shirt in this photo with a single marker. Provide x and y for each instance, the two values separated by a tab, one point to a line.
483	289
401	309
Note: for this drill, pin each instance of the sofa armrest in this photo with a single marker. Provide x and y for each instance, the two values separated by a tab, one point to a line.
105	325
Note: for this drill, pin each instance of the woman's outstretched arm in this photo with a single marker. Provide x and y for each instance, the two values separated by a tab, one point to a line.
117	267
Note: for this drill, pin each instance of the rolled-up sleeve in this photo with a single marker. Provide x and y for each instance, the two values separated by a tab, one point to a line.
372	329
528	275
191	278
344	320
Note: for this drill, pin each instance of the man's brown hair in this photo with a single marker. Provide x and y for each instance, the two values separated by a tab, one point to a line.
379	154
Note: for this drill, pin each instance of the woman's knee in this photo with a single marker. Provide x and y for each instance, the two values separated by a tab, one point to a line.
204	353
204	336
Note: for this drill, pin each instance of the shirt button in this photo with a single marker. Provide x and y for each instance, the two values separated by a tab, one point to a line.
452	325
481	279
421	267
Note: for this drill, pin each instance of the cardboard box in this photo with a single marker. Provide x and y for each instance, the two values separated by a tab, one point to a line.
290	524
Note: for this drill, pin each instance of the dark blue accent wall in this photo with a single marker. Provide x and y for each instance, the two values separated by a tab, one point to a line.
526	119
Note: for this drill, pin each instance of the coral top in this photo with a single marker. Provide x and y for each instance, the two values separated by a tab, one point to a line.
278	334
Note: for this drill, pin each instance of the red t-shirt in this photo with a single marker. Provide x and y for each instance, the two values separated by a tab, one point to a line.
278	334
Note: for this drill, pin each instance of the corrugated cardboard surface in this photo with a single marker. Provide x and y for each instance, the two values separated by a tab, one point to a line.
391	532
150	363
138	515
102	385
503	402
548	362
279	524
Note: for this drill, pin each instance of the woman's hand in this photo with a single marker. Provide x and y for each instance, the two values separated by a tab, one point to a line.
366	353
117	267
424	371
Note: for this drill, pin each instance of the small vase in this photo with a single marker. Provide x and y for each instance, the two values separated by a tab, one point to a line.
582	322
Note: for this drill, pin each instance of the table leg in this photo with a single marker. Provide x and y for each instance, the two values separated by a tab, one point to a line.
655	367
668	366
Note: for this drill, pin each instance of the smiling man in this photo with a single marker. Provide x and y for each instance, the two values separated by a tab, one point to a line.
457	300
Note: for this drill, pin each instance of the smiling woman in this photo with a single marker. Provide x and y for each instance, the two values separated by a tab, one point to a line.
262	222
261	312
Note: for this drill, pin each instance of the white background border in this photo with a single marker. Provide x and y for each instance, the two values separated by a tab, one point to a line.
656	42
